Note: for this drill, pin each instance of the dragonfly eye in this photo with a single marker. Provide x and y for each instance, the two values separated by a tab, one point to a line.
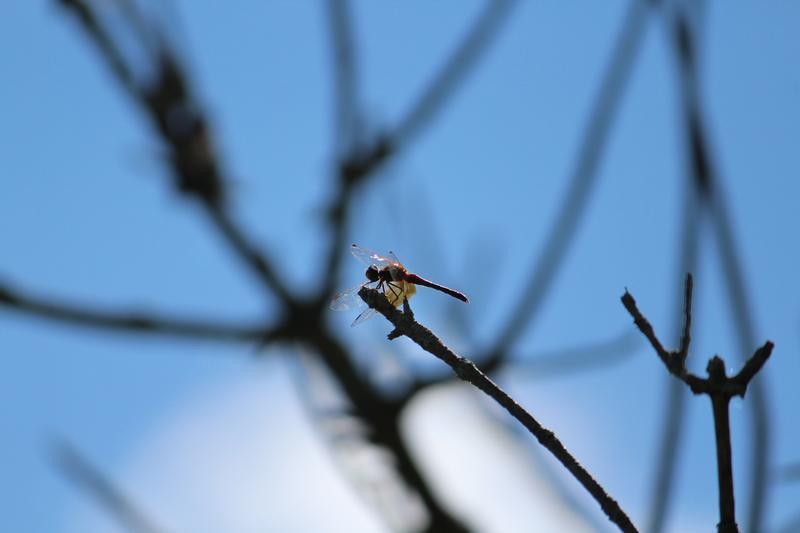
372	273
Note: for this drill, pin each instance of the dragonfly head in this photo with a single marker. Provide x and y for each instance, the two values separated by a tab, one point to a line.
372	273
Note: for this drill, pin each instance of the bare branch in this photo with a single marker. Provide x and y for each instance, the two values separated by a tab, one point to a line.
753	366
719	388
182	127
686	338
128	321
466	370
645	327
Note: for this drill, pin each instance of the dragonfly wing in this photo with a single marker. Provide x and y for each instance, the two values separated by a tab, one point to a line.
363	317
349	299
368	257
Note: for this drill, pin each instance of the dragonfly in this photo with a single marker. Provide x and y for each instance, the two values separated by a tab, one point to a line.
388	275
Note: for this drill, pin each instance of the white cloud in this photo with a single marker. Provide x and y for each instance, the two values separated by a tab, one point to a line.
242	456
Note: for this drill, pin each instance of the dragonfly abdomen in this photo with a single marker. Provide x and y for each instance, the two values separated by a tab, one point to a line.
413	278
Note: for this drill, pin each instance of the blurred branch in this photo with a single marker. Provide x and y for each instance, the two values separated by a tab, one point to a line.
561	362
128	321
345	105
105	44
595	135
711	191
454	71
180	123
249	254
405	325
361	162
69	461
718	386
672	429
381	418
184	131
573	360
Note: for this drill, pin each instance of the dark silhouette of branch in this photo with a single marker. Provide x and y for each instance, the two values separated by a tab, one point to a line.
74	466
129	321
718	387
710	187
583	176
405	325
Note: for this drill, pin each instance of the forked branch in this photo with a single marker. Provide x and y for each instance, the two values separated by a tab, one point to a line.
718	386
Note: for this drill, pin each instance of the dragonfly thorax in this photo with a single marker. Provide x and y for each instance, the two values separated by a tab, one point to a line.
388	273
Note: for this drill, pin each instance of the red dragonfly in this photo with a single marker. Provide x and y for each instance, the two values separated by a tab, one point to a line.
389	276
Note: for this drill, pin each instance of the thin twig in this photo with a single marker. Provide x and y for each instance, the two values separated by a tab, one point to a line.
404	324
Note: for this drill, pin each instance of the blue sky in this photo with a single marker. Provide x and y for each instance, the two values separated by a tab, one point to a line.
86	213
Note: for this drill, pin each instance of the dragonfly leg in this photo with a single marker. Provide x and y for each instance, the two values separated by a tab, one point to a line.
397	292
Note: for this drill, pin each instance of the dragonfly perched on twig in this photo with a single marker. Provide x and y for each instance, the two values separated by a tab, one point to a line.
390	277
